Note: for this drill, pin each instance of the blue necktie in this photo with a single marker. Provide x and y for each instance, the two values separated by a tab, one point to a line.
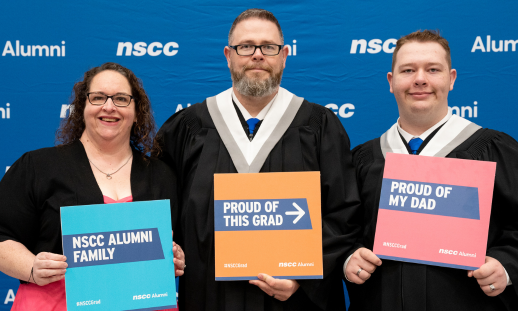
252	122
414	144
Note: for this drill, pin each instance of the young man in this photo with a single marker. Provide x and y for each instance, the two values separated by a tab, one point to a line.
420	80
258	126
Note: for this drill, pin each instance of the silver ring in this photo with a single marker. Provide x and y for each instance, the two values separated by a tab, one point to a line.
492	287
273	296
358	273
184	266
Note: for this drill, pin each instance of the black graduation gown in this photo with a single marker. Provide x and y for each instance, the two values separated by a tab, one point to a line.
396	286
33	190
315	141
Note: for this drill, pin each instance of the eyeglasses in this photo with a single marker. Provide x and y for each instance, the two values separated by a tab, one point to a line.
249	49
99	99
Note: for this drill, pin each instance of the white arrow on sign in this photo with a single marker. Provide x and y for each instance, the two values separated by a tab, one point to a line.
299	212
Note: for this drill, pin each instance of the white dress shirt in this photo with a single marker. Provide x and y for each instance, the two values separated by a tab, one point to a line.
245	112
407	136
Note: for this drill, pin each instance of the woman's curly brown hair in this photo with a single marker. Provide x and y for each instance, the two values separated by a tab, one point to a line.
142	132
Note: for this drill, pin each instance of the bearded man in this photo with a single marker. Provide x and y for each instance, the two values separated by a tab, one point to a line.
258	126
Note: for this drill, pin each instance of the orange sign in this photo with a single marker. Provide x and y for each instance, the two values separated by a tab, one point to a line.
268	223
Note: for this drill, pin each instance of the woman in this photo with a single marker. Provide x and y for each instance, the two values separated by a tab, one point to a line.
101	158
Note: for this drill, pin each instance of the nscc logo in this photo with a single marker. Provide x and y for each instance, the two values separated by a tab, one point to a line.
142	48
375	46
343	111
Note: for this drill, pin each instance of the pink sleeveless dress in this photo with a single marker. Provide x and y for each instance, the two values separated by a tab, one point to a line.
51	297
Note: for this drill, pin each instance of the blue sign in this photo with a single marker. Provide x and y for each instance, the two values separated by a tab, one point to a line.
429	198
119	255
250	215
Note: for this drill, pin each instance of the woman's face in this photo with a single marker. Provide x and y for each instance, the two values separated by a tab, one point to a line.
109	123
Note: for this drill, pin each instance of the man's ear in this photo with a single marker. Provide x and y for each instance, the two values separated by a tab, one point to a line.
389	79
285	50
453	76
227	52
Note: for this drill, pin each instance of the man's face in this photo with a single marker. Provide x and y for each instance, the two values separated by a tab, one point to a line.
256	75
421	80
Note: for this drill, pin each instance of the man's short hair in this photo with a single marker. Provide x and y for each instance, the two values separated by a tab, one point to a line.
422	37
255	13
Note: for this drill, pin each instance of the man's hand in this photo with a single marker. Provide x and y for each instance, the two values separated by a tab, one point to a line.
365	260
277	288
491	274
179	260
48	268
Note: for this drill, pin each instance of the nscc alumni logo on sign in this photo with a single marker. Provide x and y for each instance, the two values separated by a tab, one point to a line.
142	48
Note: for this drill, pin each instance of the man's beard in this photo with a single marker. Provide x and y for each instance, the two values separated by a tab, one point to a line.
254	86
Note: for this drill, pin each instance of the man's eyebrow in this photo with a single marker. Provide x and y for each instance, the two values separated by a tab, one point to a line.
434	64
268	42
413	64
249	41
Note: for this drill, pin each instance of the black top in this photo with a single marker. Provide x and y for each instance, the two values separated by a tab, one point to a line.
41	181
397	286
315	141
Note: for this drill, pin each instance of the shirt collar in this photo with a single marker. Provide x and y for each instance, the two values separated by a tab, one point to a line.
407	136
245	112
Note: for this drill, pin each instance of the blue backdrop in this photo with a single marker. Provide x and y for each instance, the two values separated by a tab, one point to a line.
340	55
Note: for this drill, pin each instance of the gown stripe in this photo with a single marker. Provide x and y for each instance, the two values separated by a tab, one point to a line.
453	133
232	146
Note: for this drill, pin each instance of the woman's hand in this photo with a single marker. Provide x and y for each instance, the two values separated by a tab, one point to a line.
48	268
179	260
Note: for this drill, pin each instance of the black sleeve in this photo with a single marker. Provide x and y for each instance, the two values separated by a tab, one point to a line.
175	137
163	176
340	198
362	159
503	228
18	212
340	207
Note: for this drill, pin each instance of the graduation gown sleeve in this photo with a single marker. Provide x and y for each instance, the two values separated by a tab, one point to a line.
503	228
